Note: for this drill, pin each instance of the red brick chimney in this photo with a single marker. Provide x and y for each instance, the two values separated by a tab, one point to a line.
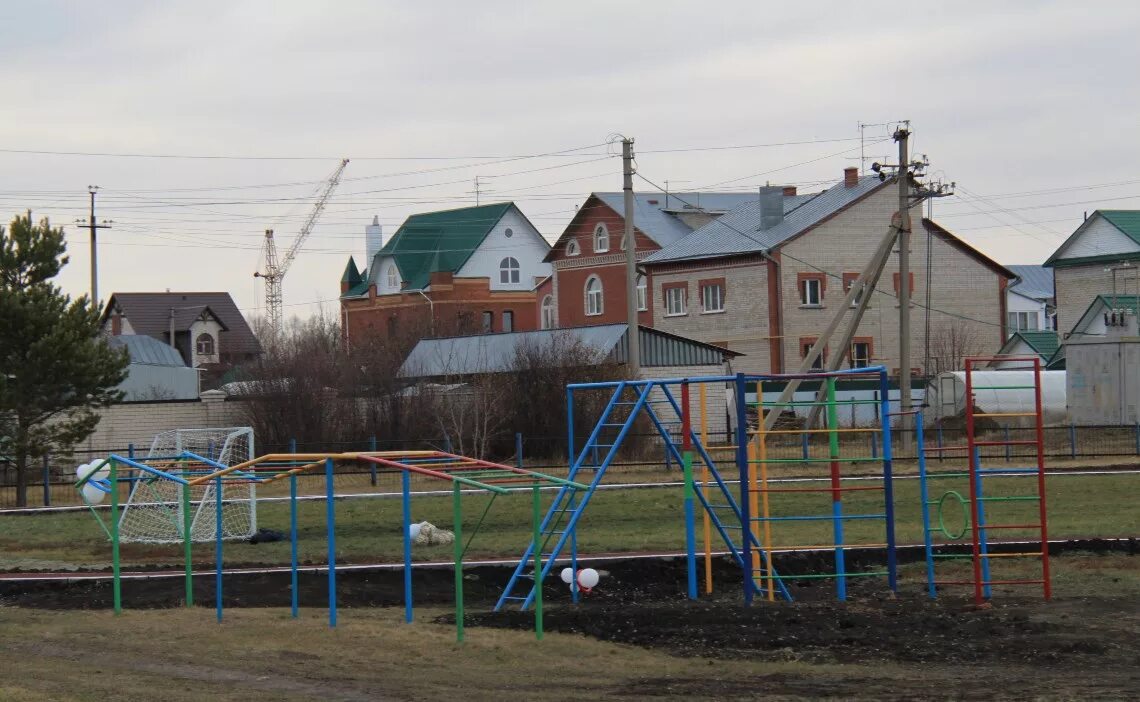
850	176
789	190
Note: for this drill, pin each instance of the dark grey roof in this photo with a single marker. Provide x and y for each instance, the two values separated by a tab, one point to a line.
739	232
147	351
496	353
1036	281
149	313
655	214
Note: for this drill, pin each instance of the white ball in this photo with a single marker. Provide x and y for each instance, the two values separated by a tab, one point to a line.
587	578
82	470
93	493
567	575
413	531
88	468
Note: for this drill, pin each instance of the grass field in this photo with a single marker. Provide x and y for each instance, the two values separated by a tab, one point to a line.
626	520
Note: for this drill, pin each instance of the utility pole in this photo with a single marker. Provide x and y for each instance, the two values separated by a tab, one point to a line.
92	224
634	331
902	135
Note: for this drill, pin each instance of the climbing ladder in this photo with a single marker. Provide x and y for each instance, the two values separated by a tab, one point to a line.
982	504
629	401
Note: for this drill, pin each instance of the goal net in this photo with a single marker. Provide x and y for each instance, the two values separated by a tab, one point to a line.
153	512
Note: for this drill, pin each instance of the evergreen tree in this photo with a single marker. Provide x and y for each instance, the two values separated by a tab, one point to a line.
55	368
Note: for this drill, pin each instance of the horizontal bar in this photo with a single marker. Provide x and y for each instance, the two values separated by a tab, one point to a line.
838	459
860	430
1009	526
811	403
1006	414
817	576
812	547
819	489
824	517
935	449
1012	471
1013	442
1004	387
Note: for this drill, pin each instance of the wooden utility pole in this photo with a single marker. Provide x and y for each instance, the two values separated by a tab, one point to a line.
905	424
634	331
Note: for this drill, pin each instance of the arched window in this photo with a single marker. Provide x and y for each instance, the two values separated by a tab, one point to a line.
547	320
601	239
393	277
593	296
204	345
509	270
642	294
572	248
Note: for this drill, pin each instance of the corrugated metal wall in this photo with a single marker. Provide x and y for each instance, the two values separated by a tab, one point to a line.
664	350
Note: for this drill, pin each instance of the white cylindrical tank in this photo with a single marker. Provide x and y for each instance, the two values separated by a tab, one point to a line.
946	395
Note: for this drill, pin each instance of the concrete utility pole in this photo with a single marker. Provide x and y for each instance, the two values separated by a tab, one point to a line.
94	225
634	333
905	420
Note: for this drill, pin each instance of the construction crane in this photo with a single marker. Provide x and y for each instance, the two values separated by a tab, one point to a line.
275	271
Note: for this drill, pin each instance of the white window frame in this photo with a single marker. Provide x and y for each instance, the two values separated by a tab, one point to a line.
198	344
805	298
676	302
393	276
856	361
509	271
601	238
572	248
547	312
1020	321
705	308
642	294
595	299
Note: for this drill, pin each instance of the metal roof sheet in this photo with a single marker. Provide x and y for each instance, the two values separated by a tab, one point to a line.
1044	342
149	313
496	353
1127	221
655	214
739	232
1036	281
147	351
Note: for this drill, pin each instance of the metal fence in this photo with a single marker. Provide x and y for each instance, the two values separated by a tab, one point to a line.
51	482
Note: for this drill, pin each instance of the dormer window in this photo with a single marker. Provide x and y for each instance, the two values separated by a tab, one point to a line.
572	248
601	239
393	277
204	345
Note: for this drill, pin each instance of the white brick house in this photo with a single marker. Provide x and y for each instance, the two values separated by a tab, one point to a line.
765	278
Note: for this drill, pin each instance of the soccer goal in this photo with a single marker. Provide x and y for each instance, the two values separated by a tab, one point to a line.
153	513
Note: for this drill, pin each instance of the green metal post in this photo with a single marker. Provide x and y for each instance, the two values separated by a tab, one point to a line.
187	541
836	494
536	520
115	565
457	517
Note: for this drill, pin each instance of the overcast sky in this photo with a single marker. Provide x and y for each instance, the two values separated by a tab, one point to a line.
1032	108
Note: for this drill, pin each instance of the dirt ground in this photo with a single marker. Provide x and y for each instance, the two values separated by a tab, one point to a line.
1084	644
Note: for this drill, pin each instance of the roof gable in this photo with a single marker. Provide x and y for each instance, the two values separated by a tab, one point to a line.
1044	343
1101	304
1127	221
945	235
149	314
440	241
351	273
1109	233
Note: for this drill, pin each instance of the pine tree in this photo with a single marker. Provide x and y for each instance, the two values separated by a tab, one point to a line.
55	368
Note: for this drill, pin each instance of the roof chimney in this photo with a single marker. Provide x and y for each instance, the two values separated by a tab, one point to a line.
373	240
789	190
850	176
771	206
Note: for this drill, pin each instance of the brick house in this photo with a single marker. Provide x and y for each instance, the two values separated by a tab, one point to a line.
472	269
1101	257
764	280
588	285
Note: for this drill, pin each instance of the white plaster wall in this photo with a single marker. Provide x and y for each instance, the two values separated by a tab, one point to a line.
1020	303
525	244
212	328
380	276
1099	238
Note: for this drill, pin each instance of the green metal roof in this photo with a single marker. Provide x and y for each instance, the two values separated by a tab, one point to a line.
351	273
1045	343
440	241
1127	221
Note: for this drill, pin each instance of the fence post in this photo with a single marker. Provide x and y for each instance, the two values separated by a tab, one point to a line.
446	443
518	449
47	483
1007	446
804	444
874	445
292	446
130	451
1138	438
371	465
1072	440
940	451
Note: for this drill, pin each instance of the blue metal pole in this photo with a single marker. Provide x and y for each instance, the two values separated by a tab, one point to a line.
218	546
518	449
371	465
745	488
131	450
295	596
983	545
888	479
940	441
330	524
572	461
804	444
292	446
1008	453
406	482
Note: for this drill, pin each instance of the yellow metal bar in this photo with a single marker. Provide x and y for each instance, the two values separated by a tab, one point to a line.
762	450
350	456
753	507
702	396
855	430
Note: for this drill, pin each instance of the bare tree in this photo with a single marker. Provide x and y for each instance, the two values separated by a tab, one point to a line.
951	342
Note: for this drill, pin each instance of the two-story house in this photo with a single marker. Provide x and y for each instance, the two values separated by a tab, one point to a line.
472	269
1029	300
207	328
766	278
588	281
1102	257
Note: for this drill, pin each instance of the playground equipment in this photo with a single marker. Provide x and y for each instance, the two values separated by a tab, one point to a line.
656	402
188	472
980	505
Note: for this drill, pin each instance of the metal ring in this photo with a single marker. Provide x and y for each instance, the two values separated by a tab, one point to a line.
965	515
